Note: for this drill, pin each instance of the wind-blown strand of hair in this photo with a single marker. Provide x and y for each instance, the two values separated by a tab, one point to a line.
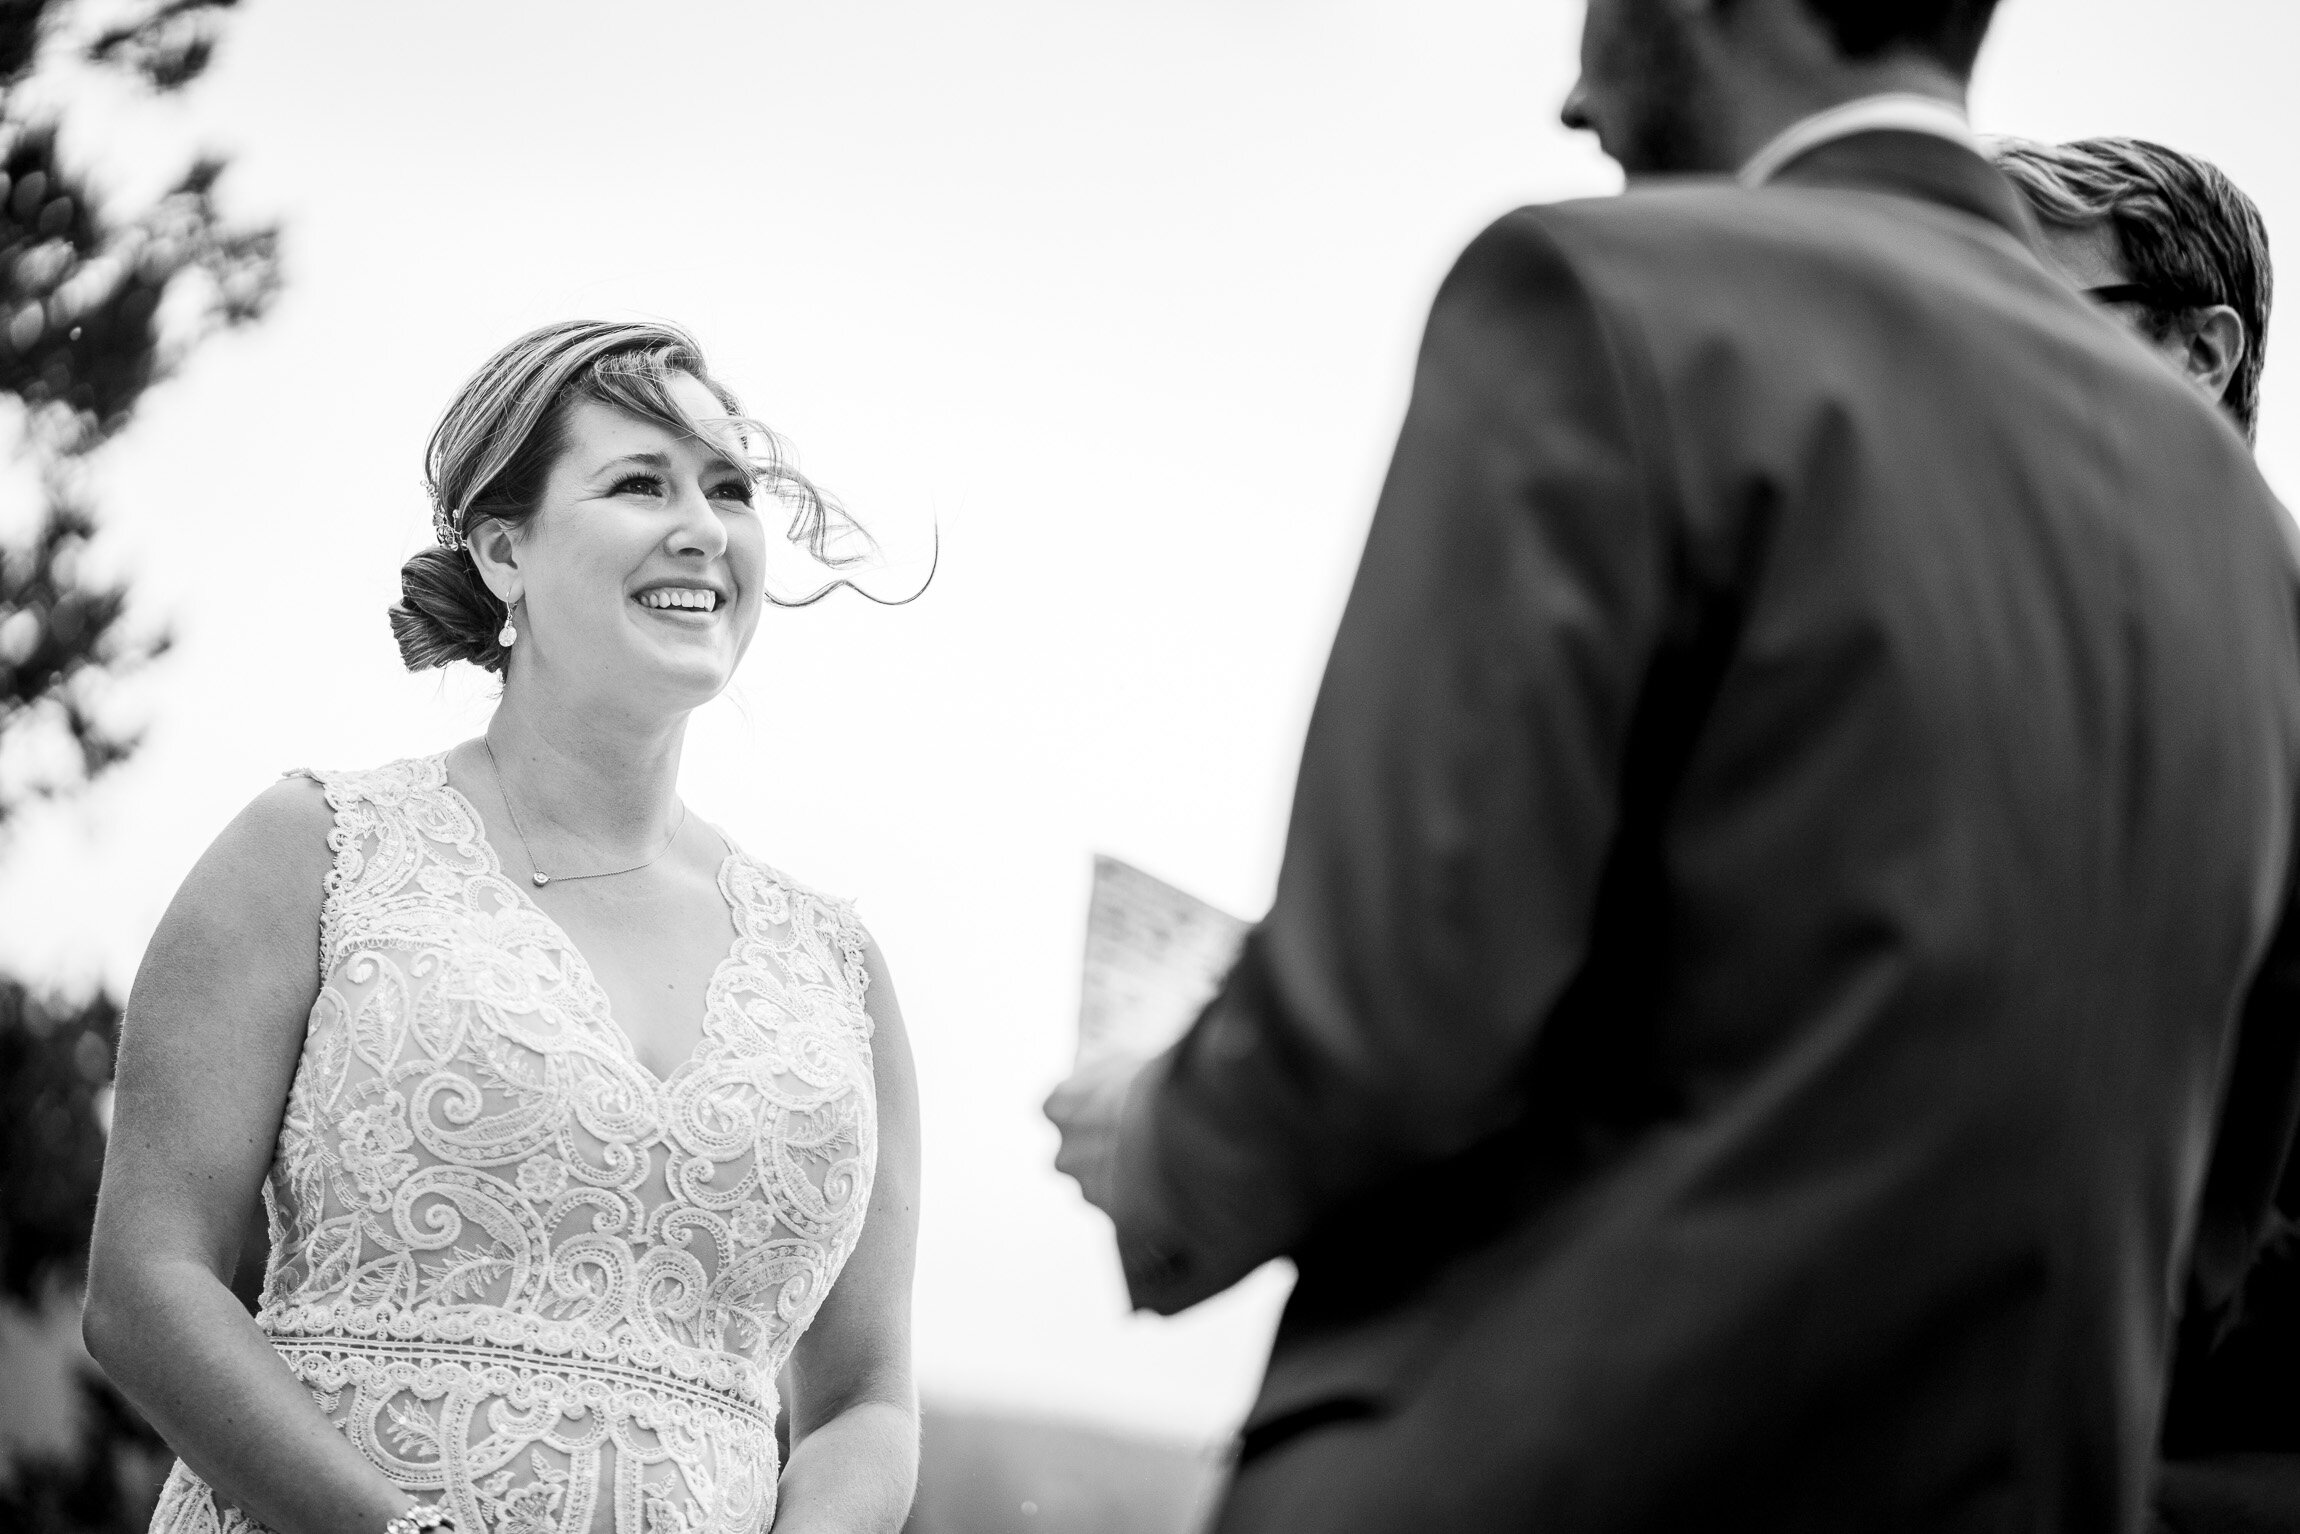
819	521
811	598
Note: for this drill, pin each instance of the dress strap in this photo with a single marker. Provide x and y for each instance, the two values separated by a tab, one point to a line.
853	939
374	837
767	898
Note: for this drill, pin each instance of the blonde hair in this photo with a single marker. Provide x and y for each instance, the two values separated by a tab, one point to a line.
2187	236
492	452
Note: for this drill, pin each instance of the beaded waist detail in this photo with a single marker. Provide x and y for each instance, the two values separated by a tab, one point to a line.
523	1349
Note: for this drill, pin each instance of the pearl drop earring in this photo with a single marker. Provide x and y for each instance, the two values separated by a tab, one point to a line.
509	634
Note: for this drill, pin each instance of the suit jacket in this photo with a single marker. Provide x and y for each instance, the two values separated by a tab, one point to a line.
1805	775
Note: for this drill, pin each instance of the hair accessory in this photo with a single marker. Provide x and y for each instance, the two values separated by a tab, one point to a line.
444	526
508	635
422	1520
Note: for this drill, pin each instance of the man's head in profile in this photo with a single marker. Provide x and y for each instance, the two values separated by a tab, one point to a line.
1690	86
2167	244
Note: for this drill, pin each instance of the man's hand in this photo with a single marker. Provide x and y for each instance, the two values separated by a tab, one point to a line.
1087	1109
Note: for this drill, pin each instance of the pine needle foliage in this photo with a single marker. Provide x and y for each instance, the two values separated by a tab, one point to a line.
99	302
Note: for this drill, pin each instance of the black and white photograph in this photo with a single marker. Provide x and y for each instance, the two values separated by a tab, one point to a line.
1149	767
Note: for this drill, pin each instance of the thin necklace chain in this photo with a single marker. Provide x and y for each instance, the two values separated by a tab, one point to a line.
538	875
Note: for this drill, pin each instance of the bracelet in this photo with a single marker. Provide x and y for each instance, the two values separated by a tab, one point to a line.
422	1520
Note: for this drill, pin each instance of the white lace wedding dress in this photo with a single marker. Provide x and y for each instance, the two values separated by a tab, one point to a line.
515	1268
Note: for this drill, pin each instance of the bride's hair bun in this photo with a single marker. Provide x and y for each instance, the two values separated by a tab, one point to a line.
445	613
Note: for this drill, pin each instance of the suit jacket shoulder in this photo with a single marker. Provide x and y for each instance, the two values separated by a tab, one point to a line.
1764	333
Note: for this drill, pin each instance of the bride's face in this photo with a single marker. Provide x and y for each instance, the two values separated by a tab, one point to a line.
640	572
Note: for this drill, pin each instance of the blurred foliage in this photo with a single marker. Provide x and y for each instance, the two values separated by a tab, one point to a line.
55	1064
109	1481
62	647
55	1067
98	302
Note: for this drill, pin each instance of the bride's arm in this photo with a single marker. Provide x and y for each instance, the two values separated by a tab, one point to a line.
854	1411
214	1028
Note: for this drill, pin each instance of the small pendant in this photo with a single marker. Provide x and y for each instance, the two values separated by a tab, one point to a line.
541	880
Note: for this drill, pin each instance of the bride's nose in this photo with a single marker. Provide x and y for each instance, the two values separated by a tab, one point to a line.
698	528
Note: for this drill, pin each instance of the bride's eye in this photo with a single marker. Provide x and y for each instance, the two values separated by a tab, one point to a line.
638	484
732	490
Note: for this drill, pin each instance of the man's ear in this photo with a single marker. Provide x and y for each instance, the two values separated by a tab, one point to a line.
494	547
2216	346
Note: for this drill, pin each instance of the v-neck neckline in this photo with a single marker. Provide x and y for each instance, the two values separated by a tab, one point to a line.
589	976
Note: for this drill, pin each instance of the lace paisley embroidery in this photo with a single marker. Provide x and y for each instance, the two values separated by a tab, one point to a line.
515	1268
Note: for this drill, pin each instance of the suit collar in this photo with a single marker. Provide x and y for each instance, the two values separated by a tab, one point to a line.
1906	110
1920	165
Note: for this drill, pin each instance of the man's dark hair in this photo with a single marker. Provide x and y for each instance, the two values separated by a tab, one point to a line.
1949	31
2187	237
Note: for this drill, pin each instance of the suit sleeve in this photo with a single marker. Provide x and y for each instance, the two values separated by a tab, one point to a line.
1458	793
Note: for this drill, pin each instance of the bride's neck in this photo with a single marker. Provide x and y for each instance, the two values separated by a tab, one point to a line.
611	784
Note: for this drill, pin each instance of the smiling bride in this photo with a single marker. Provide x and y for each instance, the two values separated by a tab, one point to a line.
575	1123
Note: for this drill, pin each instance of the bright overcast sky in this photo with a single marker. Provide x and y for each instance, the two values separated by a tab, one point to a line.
1120	294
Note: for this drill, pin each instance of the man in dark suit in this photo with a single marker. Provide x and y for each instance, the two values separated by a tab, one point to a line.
1801	793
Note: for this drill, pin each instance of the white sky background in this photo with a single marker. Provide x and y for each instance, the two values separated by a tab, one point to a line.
1121	294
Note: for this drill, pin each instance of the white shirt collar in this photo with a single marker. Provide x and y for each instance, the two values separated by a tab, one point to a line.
1901	112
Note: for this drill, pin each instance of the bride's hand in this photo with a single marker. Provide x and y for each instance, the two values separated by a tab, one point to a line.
1087	1109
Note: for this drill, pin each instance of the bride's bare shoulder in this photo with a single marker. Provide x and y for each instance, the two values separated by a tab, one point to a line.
273	857
245	922
285	826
